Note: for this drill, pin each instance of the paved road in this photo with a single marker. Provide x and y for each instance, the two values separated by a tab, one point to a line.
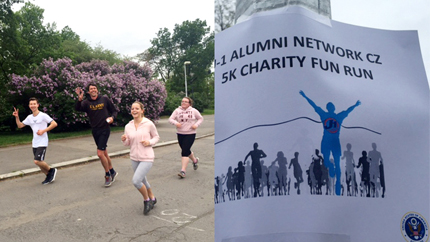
18	160
77	207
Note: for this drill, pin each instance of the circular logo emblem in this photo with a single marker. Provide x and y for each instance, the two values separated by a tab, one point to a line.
414	227
331	125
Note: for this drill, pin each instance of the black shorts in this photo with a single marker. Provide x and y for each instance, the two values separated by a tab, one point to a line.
101	137
39	153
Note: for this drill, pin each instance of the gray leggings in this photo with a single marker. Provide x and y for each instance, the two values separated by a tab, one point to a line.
140	168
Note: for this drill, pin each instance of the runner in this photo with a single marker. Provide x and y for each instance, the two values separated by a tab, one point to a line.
38	121
330	143
186	119
141	134
101	113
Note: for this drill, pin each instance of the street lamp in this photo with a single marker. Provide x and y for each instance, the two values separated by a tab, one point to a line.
185	72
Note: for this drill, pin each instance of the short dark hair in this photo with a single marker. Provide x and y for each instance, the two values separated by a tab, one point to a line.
33	99
91	84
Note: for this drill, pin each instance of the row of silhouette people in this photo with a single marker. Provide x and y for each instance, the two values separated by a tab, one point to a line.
252	180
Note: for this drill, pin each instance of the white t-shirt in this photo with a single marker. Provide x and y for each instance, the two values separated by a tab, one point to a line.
36	123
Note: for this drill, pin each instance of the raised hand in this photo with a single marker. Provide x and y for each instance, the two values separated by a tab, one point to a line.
80	93
15	112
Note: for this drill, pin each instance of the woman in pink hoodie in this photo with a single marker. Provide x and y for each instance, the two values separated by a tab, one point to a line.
140	134
186	119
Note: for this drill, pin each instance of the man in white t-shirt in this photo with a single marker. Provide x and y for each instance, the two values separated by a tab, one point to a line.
38	121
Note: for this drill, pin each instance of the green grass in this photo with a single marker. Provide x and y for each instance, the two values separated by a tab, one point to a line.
208	112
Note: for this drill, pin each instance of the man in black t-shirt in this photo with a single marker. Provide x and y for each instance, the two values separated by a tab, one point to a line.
101	113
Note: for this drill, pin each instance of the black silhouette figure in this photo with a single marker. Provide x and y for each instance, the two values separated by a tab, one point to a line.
317	170
365	175
298	173
382	178
256	155
240	171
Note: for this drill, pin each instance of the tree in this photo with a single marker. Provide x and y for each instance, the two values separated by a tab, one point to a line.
35	41
25	42
190	41
224	14
8	38
54	82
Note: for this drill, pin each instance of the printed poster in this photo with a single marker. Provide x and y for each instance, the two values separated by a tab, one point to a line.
321	132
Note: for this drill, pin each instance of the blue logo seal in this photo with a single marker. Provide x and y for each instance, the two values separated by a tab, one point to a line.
414	227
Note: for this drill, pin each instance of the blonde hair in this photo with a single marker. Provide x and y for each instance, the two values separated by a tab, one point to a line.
141	106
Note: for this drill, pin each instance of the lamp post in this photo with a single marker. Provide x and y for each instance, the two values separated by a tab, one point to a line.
185	74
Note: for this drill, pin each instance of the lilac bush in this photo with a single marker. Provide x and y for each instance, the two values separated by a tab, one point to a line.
54	83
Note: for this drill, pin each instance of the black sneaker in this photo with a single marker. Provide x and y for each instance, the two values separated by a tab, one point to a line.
146	207
46	179
114	175
181	174
195	165
52	174
153	202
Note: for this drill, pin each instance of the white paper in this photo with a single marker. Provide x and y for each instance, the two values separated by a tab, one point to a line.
258	101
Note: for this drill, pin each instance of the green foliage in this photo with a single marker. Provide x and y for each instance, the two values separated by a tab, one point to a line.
190	41
25	42
54	83
172	102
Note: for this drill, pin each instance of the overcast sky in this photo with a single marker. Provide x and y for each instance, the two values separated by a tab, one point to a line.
127	26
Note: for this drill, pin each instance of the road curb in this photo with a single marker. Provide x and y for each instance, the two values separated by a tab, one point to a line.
30	171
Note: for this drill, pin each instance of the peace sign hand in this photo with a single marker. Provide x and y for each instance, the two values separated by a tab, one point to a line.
15	113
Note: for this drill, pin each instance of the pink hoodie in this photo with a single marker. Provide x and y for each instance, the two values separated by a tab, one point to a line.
187	117
145	131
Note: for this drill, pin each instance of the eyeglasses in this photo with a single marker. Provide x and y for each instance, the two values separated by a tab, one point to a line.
184	102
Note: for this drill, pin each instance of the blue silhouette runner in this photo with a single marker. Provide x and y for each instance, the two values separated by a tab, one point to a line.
330	142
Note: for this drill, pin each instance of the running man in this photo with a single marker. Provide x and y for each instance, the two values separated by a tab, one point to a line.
330	143
38	121
256	171
101	113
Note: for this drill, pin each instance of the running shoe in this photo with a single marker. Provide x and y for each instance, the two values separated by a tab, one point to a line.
52	174
195	165
108	181
181	174
46	179
146	207
114	175
154	201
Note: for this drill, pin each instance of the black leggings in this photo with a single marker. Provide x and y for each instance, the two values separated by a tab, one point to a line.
185	142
